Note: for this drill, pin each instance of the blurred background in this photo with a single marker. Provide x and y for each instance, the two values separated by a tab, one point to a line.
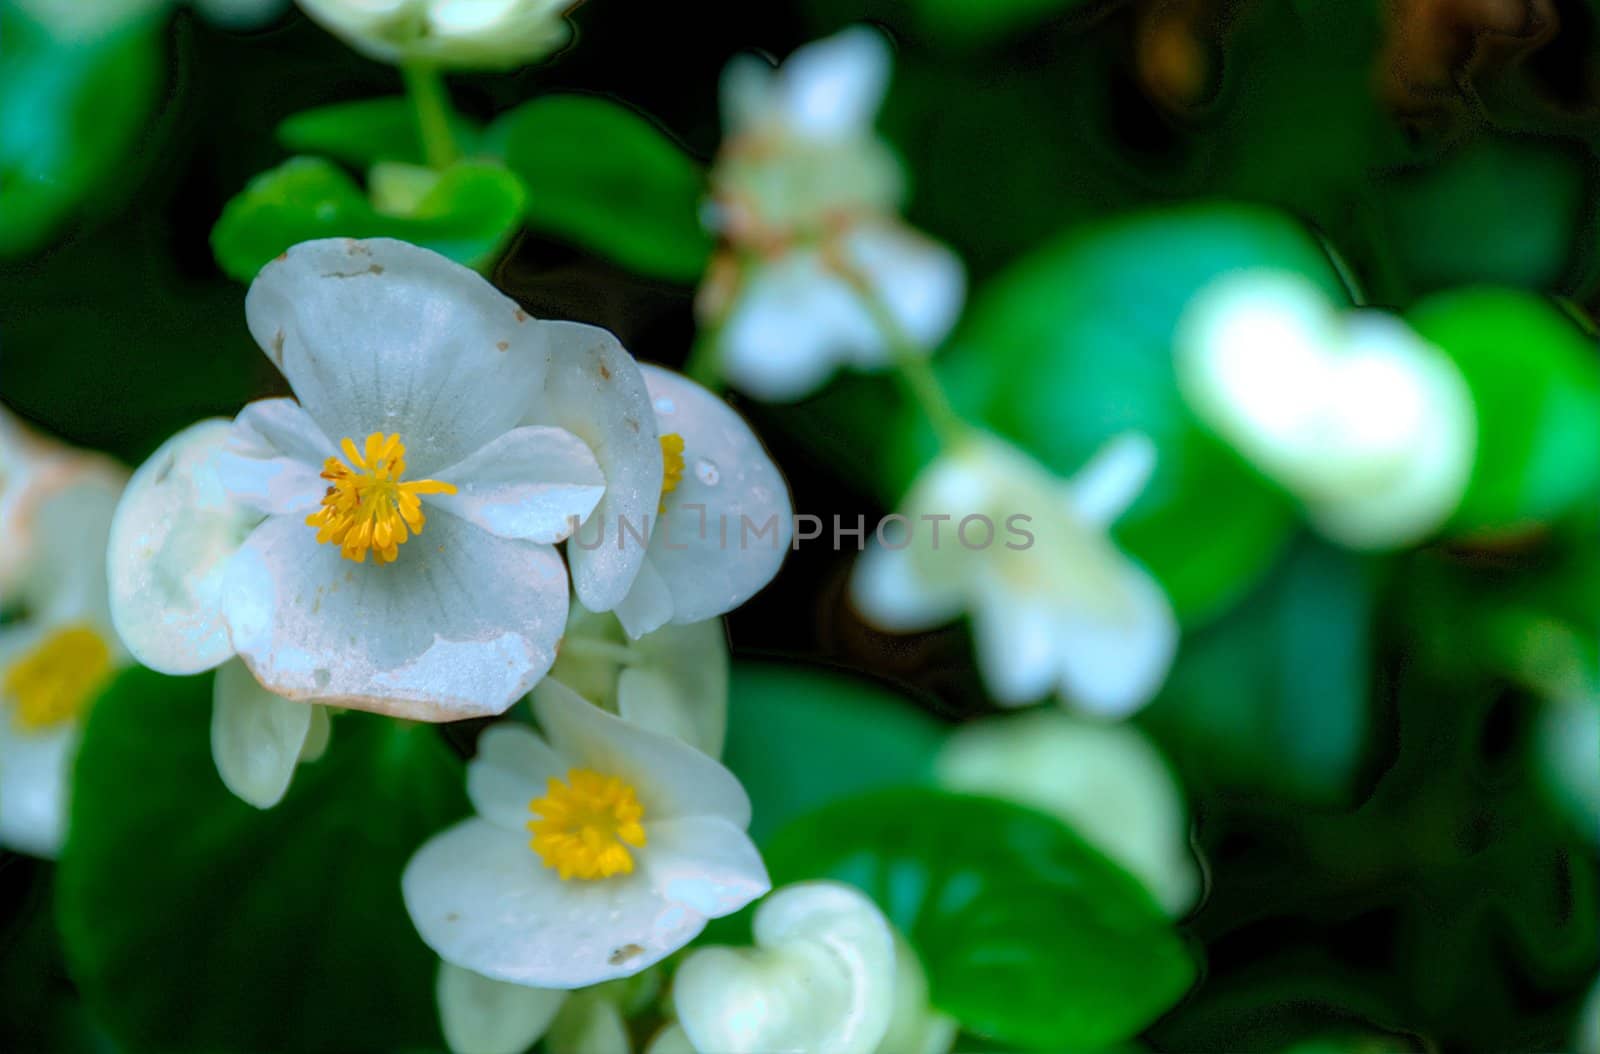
1365	741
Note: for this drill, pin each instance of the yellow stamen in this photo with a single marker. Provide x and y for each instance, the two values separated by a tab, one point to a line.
53	683
671	466
585	825
368	507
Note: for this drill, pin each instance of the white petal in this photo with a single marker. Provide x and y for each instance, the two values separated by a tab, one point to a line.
889	588
920	282
274	458
256	737
590	1023
513	767
1113	666
484	1016
747	93
317	736
1105	780
66	573
532	483
461	625
693	661
832	88
35	780
649	699
1113	479
481	899
383	336
914	1026
173	535
648	605
672	778
820	979
704	862
727	526
593	389
794	323
1018	639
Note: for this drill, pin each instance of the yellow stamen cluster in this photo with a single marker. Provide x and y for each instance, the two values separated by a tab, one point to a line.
54	682
368	508
585	825
671	466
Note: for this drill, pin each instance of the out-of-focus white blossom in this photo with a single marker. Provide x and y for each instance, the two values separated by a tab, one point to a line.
1056	607
1107	782
816	270
1369	426
81	21
480	1015
1567	742
456	34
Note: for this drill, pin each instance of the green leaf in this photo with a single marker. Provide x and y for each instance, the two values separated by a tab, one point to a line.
70	114
468	215
800	737
1073	345
1029	936
361	134
964	20
608	180
1535	382
1274	696
194	922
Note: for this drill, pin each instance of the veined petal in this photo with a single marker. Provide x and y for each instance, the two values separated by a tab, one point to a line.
704	862
1112	666
920	282
672	778
592	388
383	336
832	88
273	461
513	767
728	524
256	737
532	483
480	899
462	624
172	537
480	1015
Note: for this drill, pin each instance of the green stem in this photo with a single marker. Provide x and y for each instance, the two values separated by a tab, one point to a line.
431	103
704	365
914	369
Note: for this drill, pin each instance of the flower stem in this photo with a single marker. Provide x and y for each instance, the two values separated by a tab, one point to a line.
914	369
704	365
430	101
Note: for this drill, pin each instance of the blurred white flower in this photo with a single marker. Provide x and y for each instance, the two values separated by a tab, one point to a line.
1107	782
1369	426
673	681
58	650
724	522
455	34
1567	741
816	270
1055	605
637	840
480	1015
1587	1038
453	412
820	979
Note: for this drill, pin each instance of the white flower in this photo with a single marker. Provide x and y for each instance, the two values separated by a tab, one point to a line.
637	840
816	269
673	681
459	34
1567	746
257	738
1107	782
1055	605
1369	426
480	1015
820	979
725	520
461	438
60	650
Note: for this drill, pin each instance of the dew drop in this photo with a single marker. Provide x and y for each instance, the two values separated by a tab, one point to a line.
706	471
664	405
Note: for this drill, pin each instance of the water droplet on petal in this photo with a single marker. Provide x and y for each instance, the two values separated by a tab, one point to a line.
706	471
664	405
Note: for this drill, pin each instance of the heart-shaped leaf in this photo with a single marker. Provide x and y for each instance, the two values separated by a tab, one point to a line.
366	132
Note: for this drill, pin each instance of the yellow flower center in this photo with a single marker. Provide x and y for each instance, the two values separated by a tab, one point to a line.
671	466
54	682
585	825
368	508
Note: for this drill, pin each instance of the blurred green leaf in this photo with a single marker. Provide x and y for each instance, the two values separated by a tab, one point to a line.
1029	936
964	20
70	114
193	922
800	737
607	179
1073	345
1535	382
39	1010
467	215
364	133
1274	696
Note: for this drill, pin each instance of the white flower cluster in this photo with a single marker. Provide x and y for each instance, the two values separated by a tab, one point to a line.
458	34
816	270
